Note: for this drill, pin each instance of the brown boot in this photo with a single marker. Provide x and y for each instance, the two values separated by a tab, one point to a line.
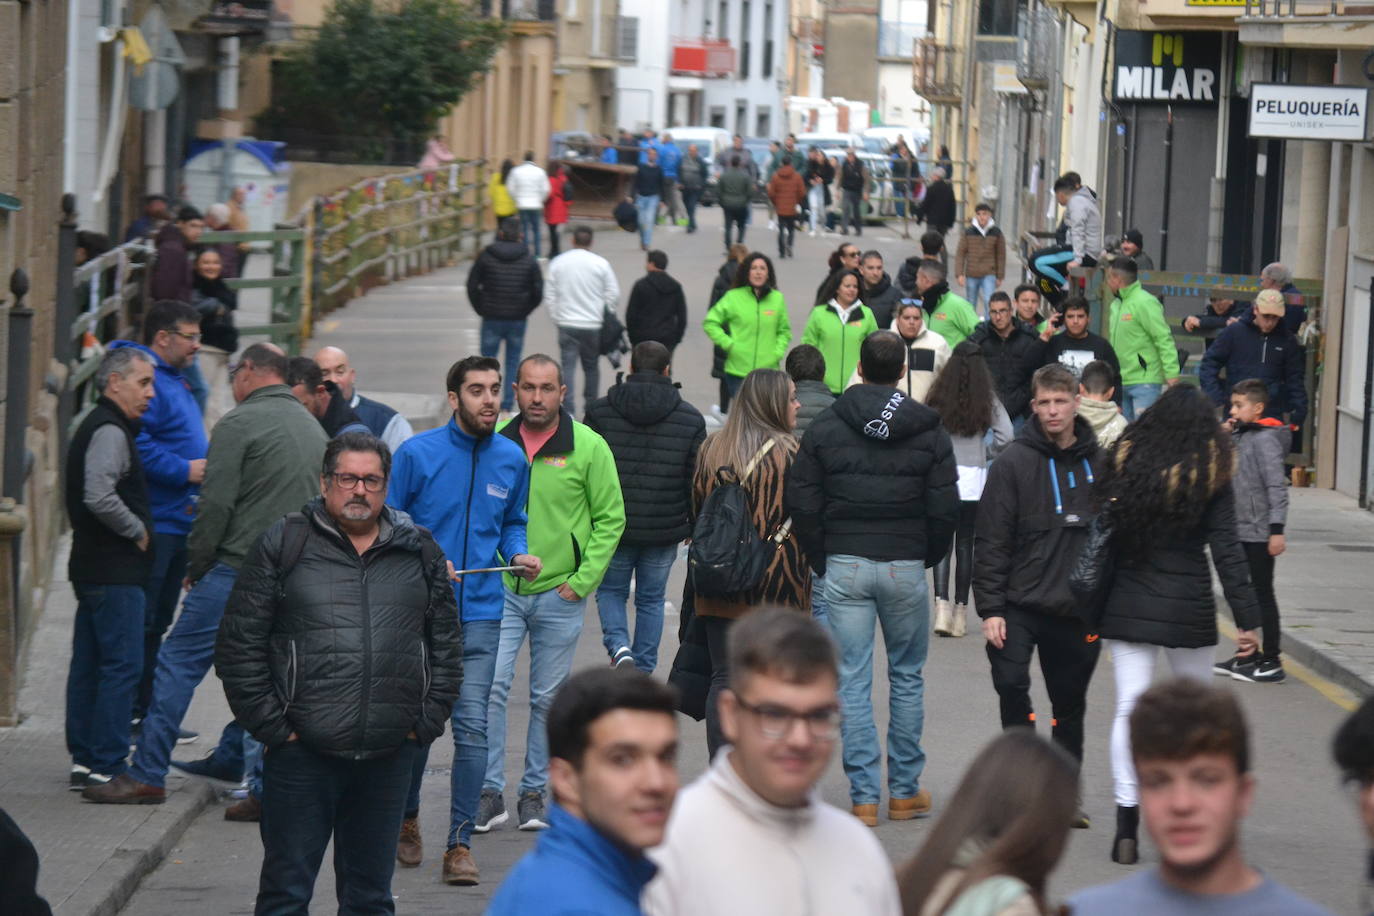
124	790
245	811
867	814
459	867
904	809
409	849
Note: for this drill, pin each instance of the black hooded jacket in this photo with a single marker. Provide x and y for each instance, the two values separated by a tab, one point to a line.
505	283
654	435
657	310
1013	360
351	653
875	477
1032	522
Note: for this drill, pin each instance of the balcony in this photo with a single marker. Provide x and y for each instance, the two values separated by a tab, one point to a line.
895	38
1037	44
704	57
937	72
1327	24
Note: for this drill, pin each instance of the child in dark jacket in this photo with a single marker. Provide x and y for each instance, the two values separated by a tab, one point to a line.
1261	489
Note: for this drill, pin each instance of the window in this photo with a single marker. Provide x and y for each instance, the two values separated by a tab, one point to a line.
763	120
627	38
997	17
718	116
741	117
723	20
767	45
744	37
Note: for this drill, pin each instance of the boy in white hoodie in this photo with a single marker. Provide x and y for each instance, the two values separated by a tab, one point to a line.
1096	387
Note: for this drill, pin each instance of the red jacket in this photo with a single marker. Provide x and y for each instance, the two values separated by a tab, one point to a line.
556	208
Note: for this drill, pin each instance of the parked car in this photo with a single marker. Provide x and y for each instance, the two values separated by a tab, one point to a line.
830	140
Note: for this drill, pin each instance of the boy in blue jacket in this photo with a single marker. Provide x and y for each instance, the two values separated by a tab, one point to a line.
1261	489
613	768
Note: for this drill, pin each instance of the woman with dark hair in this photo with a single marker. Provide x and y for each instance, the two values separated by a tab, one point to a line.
502	204
1167	495
750	322
556	207
818	175
1002	834
757	442
846	257
838	325
966	399
216	303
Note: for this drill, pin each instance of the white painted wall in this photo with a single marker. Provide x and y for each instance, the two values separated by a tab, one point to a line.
642	84
898	104
85	101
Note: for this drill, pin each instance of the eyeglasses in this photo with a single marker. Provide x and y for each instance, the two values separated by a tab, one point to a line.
775	722
372	483
194	338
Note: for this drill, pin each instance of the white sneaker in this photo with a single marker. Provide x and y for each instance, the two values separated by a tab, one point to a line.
622	658
943	623
958	623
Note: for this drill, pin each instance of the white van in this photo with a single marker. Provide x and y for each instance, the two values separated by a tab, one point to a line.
711	142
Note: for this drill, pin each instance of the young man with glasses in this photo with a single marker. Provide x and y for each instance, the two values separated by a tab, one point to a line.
751	835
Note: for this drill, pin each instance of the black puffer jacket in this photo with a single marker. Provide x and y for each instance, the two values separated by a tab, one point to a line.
505	283
875	478
1032	522
882	298
657	310
352	654
1164	598
654	435
1013	360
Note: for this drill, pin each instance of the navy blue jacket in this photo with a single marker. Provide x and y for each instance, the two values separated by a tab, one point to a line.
573	869
471	495
1276	359
172	436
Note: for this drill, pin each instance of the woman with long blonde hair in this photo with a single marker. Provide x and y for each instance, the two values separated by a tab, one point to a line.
757	442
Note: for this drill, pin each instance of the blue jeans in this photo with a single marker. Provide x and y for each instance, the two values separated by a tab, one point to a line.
650	567
553	625
469	723
161	593
107	658
309	797
580	345
858	592
531	221
182	663
980	286
1135	399
495	330
690	198
647	206
819	610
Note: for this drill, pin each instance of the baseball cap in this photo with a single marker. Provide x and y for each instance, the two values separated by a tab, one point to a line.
1270	302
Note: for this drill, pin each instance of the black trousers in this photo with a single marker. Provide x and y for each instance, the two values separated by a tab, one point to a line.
736	216
961	551
717	629
1262	577
787	232
1068	656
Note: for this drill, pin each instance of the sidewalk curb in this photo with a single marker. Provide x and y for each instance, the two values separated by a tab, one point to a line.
114	883
1327	662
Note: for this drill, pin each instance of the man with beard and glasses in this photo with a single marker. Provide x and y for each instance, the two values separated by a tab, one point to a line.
576	515
469	488
370	664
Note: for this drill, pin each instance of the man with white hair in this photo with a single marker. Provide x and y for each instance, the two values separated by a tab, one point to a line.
384	421
1280	277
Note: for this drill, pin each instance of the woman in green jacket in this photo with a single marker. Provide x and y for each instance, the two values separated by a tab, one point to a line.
750	322
838	324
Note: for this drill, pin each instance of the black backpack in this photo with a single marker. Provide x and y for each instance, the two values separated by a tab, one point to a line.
728	556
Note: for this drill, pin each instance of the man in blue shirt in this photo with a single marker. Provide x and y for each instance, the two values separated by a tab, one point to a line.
668	158
172	446
613	767
469	488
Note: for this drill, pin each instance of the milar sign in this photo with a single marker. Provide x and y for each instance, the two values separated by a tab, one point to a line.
1177	68
1309	112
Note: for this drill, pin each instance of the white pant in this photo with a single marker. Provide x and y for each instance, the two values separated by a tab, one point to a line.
1134	664
815	197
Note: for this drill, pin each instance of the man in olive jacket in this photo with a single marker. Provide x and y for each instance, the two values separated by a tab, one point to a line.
262	464
340	652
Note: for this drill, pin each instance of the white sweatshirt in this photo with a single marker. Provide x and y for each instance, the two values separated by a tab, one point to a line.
729	851
528	185
579	288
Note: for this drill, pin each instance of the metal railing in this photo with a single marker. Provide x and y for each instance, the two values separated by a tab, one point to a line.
109	293
394	226
1283	9
937	71
895	39
1037	38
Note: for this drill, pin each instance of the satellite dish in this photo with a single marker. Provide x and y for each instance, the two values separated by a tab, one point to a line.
157	86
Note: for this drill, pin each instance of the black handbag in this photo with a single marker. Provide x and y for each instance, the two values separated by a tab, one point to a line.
691	671
1091	578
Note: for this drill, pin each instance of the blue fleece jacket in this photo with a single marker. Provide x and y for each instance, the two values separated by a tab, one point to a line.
471	495
172	436
573	870
1245	352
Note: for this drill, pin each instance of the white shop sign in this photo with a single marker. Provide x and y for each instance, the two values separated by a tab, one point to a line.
1291	112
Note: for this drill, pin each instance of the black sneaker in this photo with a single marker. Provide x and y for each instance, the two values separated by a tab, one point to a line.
1224	669
623	657
491	811
531	811
210	768
81	777
186	736
1265	671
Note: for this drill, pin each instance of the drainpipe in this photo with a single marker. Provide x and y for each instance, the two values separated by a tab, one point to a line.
1168	183
1368	406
